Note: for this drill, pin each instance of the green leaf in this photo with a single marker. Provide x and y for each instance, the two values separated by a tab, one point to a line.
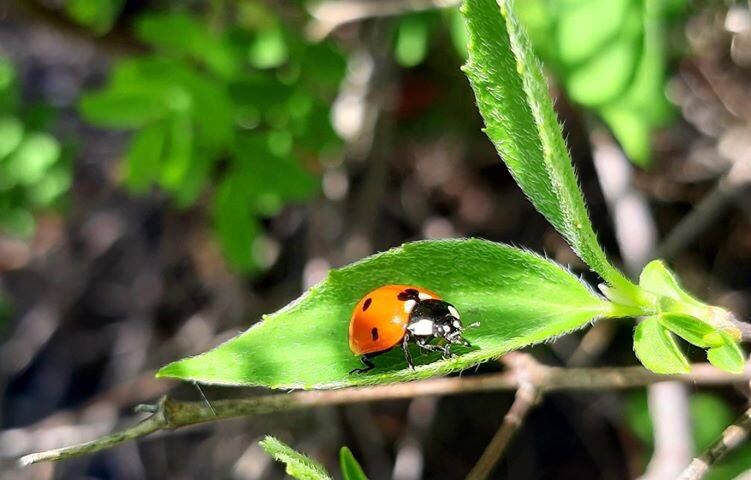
298	465
234	223
99	15
518	297
269	49
144	157
412	40
691	329
181	34
655	347
728	356
351	470
11	135
33	157
132	107
656	278
520	120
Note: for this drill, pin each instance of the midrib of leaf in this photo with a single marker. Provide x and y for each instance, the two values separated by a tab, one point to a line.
497	77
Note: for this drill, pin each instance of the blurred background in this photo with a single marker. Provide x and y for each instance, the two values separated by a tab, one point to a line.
171	170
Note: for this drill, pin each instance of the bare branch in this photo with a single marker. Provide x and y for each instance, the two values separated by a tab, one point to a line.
733	436
170	414
527	396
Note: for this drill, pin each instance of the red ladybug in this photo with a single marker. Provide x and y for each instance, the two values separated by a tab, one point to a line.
397	314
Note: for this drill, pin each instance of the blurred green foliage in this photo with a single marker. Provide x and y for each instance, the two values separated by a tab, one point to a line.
611	58
98	15
242	113
710	415
34	173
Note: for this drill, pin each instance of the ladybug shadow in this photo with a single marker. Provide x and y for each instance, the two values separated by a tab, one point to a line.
393	360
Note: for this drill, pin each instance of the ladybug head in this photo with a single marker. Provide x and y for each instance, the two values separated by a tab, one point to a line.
438	319
450	327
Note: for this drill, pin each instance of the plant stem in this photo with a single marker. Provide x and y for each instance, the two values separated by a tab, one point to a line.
170	414
733	436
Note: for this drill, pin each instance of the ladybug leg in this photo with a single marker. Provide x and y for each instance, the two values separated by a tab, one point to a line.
369	365
407	356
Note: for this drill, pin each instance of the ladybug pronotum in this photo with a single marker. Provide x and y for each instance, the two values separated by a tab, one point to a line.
394	315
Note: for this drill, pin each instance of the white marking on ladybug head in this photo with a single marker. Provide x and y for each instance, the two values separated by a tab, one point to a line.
454	312
446	328
424	296
409	305
421	328
457	325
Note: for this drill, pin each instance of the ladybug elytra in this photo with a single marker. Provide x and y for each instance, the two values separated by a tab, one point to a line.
394	315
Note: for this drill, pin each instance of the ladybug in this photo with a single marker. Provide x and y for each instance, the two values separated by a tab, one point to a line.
394	315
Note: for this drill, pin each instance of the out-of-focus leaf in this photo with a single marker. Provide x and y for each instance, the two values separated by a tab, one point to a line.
298	466
269	50
99	15
178	151
133	107
235	224
8	90
518	297
183	35
710	415
513	98
144	157
11	135
351	469
458	30
656	349
18	221
51	186
31	160
412	40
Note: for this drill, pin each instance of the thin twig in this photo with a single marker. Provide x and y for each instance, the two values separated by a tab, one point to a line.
330	15
527	396
733	436
171	414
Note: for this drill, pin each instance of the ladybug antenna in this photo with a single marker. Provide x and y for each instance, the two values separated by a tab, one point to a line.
208	404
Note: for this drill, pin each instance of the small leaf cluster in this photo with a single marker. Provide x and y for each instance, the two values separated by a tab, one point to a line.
241	113
34	170
302	467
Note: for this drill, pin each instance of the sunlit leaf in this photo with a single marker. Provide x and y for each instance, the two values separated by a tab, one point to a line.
298	466
11	135
518	297
34	156
655	347
520	120
728	356
269	49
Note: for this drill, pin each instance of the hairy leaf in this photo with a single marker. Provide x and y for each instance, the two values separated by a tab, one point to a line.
518	297
298	465
655	347
513	98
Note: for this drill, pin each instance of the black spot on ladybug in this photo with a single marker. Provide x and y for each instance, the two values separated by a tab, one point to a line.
374	334
408	294
367	303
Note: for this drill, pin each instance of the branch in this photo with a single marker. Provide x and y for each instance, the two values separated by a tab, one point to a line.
170	414
733	436
527	396
332	14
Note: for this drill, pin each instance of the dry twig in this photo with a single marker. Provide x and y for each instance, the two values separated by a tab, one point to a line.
733	436
170	414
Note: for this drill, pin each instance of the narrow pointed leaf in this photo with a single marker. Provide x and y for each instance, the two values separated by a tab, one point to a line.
513	98
351	469
518	297
298	465
728	356
656	348
691	329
